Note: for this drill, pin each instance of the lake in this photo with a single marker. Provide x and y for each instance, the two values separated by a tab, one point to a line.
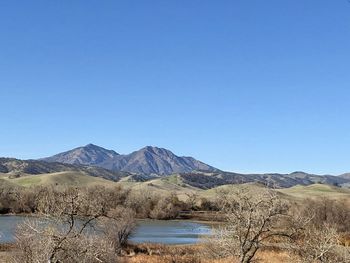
151	231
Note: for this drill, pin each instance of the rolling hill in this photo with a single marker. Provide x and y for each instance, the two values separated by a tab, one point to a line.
177	185
69	178
316	190
18	168
171	184
151	163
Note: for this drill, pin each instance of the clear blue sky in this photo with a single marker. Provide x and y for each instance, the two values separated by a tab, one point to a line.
247	86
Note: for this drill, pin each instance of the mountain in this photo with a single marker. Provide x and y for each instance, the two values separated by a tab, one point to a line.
14	168
87	155
154	160
150	157
148	160
345	176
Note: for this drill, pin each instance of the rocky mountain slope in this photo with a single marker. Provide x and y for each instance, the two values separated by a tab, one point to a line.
148	160
87	155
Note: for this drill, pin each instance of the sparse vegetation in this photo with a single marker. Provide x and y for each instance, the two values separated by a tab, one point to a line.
261	220
256	223
253	220
66	233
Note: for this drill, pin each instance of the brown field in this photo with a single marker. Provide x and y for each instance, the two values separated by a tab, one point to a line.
155	253
148	253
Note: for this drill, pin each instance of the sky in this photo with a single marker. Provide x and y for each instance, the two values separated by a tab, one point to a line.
245	86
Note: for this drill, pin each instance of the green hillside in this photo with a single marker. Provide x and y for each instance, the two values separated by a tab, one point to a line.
60	178
316	191
171	184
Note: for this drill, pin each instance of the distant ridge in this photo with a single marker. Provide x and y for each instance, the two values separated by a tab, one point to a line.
151	163
345	176
272	180
148	160
14	169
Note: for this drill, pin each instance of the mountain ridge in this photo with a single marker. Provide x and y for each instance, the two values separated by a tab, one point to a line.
148	160
14	168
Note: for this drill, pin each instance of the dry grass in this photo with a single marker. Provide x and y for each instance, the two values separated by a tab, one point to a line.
264	257
60	178
274	257
316	191
6	252
156	253
153	253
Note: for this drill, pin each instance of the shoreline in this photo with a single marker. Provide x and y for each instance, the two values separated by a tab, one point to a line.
194	216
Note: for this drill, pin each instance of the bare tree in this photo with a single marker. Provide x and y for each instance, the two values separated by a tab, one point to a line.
192	200
117	226
38	243
320	244
168	207
141	202
335	213
66	231
253	219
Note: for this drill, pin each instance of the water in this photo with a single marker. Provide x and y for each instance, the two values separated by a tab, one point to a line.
169	232
8	227
151	231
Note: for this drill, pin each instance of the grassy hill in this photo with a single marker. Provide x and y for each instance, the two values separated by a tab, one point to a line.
14	168
223	188
4	183
61	178
296	193
162	186
316	191
171	184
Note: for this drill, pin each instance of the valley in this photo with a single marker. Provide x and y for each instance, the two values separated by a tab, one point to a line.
153	186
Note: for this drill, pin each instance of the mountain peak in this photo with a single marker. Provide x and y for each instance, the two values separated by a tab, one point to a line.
149	148
89	154
155	160
155	150
91	145
298	172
